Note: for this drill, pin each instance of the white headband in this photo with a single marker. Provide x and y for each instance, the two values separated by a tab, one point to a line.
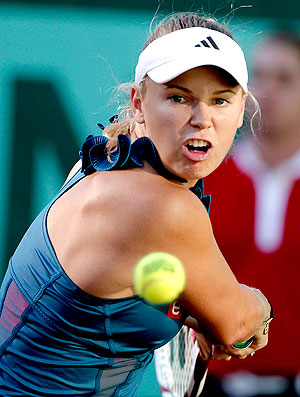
175	53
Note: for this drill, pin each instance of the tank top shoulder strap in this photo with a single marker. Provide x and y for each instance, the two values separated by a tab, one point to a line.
71	182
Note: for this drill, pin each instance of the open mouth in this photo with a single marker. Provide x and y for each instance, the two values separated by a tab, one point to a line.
195	145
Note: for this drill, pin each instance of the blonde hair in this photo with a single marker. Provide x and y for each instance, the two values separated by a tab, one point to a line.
125	123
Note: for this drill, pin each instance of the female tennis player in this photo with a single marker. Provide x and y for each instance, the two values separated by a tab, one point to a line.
71	323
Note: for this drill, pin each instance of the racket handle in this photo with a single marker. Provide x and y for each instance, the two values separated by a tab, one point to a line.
243	345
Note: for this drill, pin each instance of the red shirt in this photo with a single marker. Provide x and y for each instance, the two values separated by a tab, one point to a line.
234	187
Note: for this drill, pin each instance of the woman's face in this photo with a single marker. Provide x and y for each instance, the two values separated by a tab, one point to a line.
192	120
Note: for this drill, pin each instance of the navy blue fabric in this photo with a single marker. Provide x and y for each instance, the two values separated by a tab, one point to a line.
128	155
57	340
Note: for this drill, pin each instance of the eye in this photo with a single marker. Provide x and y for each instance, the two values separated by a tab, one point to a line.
177	98
221	101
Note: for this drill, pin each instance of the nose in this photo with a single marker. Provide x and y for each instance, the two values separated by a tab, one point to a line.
201	116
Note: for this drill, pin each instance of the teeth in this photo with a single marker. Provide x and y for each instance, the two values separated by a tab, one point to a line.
195	143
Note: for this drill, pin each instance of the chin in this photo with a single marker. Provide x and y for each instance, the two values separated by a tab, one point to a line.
203	173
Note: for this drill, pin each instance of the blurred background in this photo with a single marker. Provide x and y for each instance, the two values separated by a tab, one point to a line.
60	61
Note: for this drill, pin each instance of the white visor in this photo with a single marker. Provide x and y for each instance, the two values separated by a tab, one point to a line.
175	53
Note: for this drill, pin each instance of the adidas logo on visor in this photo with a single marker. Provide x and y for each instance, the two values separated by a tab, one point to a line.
204	43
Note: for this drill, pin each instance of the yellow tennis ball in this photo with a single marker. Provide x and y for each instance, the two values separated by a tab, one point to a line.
159	277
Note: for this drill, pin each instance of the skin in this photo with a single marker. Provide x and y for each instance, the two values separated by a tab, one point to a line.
276	85
184	109
98	237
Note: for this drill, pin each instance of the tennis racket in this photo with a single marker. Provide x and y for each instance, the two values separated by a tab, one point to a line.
179	369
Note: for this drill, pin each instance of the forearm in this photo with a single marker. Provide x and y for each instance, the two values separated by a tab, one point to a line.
257	316
259	311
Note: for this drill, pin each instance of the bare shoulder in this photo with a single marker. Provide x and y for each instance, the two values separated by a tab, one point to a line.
165	214
145	211
168	201
73	171
116	218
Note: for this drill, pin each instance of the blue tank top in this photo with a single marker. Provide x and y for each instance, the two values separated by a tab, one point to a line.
56	339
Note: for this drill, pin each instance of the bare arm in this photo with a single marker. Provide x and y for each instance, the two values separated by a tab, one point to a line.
226	311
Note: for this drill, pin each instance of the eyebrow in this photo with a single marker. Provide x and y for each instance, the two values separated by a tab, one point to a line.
179	87
190	92
225	90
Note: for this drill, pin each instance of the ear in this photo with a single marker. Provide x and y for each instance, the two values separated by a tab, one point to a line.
137	105
243	104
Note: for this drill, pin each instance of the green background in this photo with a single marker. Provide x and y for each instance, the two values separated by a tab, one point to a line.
59	63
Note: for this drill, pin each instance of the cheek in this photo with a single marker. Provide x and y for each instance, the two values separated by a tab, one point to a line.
228	128
163	117
229	122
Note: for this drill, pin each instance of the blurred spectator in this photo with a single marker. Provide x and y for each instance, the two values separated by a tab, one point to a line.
255	214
